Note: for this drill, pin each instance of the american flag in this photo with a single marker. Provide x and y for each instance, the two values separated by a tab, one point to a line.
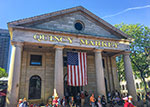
77	68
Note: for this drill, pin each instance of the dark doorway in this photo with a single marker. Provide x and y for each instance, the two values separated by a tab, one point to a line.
106	88
71	90
35	87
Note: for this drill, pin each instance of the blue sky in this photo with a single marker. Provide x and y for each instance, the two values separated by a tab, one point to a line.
112	11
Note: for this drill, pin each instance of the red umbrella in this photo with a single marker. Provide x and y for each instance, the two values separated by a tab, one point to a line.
2	94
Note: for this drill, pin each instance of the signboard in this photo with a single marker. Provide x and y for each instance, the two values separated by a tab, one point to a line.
71	40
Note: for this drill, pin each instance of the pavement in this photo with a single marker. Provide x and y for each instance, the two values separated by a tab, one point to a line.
138	104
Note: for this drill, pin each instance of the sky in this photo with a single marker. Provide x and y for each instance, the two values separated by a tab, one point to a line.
112	11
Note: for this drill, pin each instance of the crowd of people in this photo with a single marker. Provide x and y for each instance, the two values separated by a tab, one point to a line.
82	99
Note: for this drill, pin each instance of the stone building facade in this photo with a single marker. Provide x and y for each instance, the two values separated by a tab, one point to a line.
39	47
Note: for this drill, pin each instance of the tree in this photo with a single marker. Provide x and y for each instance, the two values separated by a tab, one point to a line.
120	68
3	73
140	49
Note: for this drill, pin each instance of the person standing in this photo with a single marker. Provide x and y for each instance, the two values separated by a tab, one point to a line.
59	101
130	99
99	101
103	101
72	102
126	104
92	100
64	102
25	103
78	100
55	102
20	103
138	97
82	98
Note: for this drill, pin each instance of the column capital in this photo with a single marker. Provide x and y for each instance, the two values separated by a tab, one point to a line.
98	50
113	56
17	44
126	53
59	47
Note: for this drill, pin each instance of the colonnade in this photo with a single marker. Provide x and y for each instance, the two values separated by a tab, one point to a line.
15	68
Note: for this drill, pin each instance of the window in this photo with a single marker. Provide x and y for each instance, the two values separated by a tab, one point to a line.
141	85
123	87
78	25
137	85
149	84
35	87
65	61
103	63
36	60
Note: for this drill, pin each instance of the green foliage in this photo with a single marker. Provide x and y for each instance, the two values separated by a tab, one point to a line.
140	48
3	73
120	68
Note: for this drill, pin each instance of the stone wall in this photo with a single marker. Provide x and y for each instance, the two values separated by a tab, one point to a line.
66	23
46	72
91	87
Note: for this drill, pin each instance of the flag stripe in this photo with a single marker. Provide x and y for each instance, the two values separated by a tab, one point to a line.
86	68
76	76
71	75
81	69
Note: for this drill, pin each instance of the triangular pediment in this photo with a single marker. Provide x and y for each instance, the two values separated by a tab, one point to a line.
64	21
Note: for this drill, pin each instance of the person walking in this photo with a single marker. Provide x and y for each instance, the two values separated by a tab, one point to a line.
92	100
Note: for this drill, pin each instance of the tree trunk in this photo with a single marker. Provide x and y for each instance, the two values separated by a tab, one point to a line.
144	81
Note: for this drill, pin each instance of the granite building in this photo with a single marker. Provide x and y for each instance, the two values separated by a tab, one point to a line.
39	52
4	48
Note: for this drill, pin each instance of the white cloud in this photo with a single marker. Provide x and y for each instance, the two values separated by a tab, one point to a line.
128	9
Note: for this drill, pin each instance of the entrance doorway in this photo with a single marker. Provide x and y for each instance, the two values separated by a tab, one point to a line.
71	90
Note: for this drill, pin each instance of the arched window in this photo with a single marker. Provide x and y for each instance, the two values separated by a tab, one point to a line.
123	88
35	87
137	85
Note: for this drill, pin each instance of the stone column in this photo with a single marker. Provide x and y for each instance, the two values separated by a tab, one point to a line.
111	84
115	74
14	76
99	73
58	71
129	76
